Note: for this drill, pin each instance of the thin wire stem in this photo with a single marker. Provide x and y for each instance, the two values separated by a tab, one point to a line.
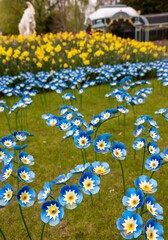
42	232
24	222
123	178
83	157
143	161
2	234
7	118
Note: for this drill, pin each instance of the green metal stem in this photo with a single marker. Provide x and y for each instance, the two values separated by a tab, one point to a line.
123	178
2	234
42	232
24	222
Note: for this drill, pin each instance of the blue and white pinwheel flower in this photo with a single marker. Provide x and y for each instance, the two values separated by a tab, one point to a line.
164	155
3	154
152	122
80	168
153	230
25	175
107	114
6	195
52	212
147	185
130	225
70	196
100	168
89	183
68	96
9	157
20	136
122	109
138	130
153	148
153	163
118	150
26	196
134	199
102	144
8	142
139	143
45	193
141	120
82	140
52	121
26	158
62	179
6	172
154	208
153	133
64	125
96	121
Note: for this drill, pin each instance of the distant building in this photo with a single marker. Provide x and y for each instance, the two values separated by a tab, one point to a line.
125	21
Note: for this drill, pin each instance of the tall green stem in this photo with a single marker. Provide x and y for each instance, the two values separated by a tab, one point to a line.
152	175
124	128
123	178
42	232
143	161
83	157
7	118
24	222
2	234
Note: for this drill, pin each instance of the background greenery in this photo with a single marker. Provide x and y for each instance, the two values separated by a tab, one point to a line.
54	157
63	15
51	16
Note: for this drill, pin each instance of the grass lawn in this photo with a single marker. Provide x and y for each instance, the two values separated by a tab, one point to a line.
53	157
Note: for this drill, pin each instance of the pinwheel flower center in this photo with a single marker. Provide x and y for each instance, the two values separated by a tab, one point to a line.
70	197
19	137
101	145
152	134
88	184
117	152
77	123
146	187
25	197
154	163
8	194
83	141
106	115
24	175
152	209
140	145
7	173
151	233
64	126
100	170
53	122
152	149
130	225
52	211
24	160
8	143
133	201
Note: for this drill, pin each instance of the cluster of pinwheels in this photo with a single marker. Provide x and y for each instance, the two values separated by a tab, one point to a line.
138	201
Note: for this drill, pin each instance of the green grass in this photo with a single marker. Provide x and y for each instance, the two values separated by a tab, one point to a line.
53	157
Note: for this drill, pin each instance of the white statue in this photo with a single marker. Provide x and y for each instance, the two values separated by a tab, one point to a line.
27	23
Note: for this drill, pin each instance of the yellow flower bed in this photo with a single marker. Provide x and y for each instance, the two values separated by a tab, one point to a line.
68	50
